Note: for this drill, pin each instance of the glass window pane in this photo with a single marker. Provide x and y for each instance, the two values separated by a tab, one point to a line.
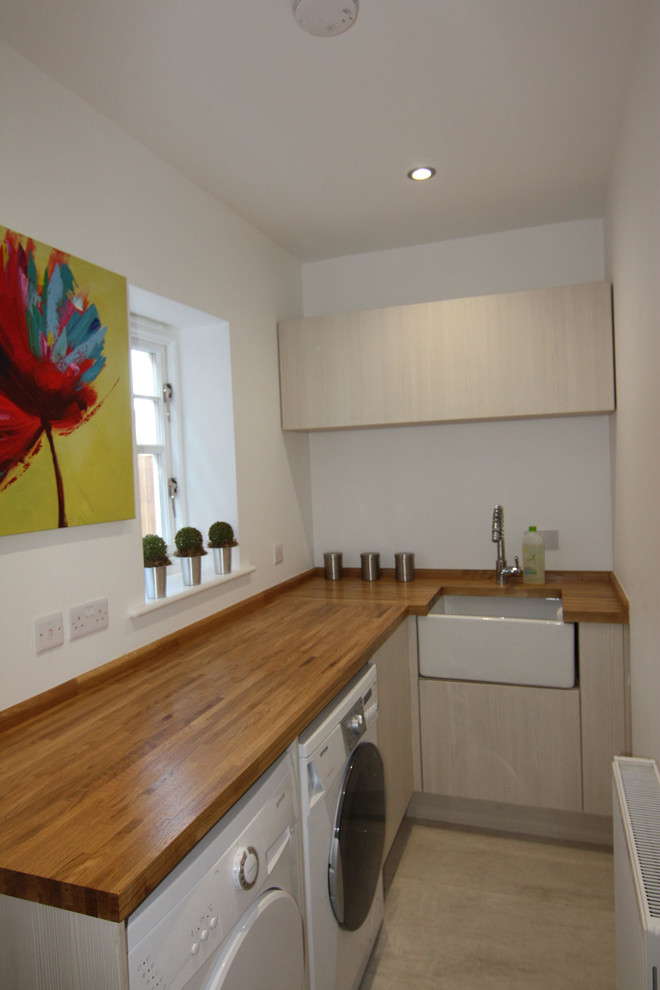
146	421
144	372
148	365
150	507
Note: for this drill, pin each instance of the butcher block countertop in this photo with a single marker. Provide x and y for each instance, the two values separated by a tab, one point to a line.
109	780
587	596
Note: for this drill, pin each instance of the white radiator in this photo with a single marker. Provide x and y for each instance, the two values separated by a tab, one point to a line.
636	788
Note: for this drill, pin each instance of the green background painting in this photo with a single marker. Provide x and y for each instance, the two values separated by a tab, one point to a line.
96	457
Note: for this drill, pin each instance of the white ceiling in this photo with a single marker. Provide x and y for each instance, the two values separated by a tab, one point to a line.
517	103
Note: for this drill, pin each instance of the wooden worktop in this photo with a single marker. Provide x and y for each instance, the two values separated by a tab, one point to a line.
109	780
104	794
587	596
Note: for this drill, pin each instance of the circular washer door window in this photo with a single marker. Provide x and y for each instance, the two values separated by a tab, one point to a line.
359	835
265	948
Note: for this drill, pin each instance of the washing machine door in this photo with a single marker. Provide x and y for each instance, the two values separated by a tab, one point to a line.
357	844
265	949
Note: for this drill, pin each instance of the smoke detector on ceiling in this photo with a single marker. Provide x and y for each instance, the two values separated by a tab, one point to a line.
325	17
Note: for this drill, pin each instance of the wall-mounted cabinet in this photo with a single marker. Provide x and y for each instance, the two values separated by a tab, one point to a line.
547	352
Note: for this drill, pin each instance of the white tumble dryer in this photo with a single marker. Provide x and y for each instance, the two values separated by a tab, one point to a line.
343	829
229	915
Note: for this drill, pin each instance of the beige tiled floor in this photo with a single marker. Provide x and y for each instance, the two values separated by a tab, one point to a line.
466	910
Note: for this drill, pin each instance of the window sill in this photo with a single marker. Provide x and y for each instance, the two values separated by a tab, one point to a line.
177	591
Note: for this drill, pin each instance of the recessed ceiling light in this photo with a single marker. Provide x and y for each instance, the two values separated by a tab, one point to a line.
419	174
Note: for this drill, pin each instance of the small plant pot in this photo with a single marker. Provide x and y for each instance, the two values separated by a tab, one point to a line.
155	579
191	570
222	560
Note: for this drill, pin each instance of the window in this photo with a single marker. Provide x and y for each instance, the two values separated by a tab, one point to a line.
153	402
185	443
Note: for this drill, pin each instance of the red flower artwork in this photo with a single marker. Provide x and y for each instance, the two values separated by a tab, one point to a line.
51	350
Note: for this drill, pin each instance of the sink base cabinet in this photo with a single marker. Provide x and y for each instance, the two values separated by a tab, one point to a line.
542	748
495	742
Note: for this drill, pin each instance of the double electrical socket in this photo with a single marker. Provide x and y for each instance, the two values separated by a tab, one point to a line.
88	618
83	620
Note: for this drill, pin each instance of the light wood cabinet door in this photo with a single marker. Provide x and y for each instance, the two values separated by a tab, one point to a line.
510	744
605	721
395	728
539	353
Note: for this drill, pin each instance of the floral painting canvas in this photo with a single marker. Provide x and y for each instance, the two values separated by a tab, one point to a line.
65	416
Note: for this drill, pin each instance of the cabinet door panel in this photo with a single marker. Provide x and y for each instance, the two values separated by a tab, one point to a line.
540	353
394	728
495	742
604	716
44	947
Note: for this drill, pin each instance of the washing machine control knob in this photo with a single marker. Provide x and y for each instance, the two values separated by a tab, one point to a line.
246	868
355	725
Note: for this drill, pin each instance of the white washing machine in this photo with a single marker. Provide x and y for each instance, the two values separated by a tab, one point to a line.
343	829
229	916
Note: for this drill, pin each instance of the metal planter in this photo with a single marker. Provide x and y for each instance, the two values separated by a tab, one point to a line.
155	579
191	570
222	560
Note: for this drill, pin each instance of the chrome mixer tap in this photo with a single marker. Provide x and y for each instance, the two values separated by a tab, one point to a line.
502	570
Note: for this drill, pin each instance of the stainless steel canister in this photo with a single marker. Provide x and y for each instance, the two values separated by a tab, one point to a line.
404	566
333	565
370	566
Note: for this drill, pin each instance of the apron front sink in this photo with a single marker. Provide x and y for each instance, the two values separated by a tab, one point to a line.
498	640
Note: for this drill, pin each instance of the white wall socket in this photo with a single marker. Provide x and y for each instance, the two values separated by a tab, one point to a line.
88	618
550	538
278	553
49	630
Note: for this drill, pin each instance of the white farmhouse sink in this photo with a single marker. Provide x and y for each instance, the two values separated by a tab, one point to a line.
490	606
497	639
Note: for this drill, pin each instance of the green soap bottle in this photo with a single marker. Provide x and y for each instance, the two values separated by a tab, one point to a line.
533	552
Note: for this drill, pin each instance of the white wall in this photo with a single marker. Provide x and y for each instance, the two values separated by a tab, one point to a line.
431	489
70	178
557	254
633	253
